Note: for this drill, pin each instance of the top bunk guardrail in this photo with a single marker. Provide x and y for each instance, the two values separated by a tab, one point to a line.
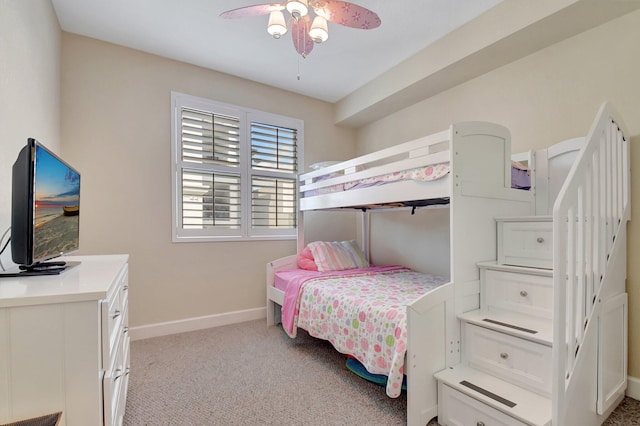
472	156
324	186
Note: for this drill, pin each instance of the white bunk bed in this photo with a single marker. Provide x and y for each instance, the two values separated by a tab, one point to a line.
476	190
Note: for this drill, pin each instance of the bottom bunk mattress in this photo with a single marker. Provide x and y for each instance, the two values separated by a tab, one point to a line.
362	312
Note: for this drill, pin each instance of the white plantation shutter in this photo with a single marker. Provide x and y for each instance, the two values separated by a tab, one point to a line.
235	171
209	138
273	202
210	200
273	148
273	197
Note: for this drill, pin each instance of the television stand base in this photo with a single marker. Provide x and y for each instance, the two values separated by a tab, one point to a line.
44	268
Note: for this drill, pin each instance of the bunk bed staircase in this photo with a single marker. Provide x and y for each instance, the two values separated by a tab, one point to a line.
548	344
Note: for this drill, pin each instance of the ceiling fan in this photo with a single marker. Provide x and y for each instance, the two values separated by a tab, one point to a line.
306	31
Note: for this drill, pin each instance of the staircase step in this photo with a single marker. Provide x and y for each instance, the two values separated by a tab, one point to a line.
514	401
516	289
537	218
525	241
526	327
495	266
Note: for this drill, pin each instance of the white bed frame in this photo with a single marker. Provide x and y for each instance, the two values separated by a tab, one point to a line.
479	190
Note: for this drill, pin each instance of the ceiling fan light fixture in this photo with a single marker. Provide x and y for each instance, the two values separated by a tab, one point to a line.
277	26
297	8
319	31
307	20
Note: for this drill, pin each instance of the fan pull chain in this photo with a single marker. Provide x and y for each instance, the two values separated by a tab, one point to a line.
298	67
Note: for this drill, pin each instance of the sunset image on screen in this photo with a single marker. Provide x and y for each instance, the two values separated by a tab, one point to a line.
57	206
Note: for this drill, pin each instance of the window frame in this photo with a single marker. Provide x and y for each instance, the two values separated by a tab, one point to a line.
246	117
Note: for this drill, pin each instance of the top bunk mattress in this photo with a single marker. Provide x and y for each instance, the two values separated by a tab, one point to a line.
520	178
421	174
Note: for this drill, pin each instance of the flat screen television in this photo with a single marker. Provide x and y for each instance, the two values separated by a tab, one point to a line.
45	209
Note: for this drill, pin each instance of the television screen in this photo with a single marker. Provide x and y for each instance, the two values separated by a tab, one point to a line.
57	206
45	216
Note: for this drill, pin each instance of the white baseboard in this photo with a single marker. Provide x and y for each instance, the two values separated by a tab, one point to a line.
197	323
633	387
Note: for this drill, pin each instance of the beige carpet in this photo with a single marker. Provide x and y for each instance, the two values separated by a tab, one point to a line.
251	374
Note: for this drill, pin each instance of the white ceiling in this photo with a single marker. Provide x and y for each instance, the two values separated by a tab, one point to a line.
191	31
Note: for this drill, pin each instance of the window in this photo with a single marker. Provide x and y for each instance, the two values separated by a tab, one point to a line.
234	171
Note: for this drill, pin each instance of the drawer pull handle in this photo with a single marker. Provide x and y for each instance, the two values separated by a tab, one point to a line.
125	288
523	293
116	314
117	376
480	424
504	355
125	330
540	240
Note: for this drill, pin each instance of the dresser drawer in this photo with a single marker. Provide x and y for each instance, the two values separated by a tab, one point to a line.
525	244
115	384
458	409
113	312
519	293
510	358
124	286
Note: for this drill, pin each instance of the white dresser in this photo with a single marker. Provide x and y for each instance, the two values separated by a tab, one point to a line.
64	343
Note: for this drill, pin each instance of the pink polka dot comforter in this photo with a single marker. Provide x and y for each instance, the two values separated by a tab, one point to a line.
362	314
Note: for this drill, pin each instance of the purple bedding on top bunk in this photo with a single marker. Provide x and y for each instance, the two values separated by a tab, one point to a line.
520	178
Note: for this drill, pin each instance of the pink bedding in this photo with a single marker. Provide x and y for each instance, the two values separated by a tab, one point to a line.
424	174
283	278
520	178
291	283
361	312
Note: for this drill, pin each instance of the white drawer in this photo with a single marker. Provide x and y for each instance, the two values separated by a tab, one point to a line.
458	409
113	312
115	385
519	293
124	385
510	358
125	320
526	244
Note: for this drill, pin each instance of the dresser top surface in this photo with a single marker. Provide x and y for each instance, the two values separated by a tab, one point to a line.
91	279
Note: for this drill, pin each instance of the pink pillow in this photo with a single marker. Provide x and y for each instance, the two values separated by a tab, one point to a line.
305	260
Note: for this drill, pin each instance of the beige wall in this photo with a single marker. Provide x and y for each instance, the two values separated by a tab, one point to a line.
116	131
544	98
29	87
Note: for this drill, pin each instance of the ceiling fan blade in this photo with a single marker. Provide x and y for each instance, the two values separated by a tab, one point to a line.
347	14
300	35
255	10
